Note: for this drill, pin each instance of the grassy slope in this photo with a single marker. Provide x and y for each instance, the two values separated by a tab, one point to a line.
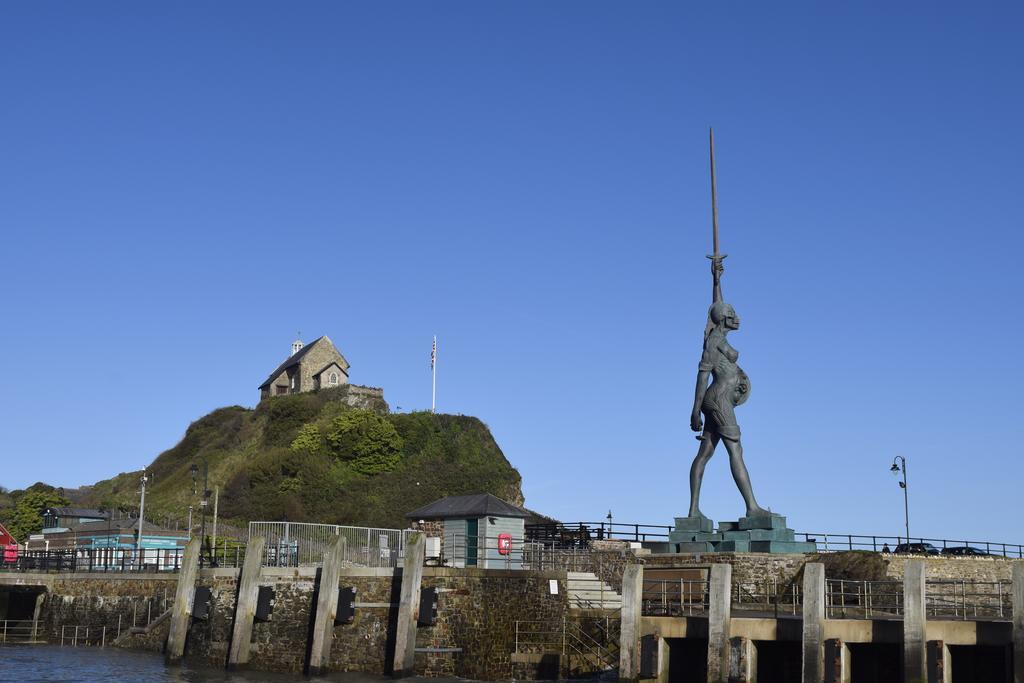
261	477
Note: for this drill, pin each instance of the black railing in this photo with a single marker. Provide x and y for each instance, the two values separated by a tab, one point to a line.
96	560
580	535
900	544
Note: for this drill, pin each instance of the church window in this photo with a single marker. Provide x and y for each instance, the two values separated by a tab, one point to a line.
333	378
293	383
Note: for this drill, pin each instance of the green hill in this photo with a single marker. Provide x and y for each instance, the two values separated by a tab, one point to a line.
314	458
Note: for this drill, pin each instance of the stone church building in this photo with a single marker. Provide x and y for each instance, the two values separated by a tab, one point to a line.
312	366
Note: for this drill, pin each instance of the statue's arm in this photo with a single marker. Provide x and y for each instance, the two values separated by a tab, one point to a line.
698	399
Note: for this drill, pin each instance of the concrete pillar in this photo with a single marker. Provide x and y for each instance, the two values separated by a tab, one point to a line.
719	622
245	605
914	669
409	607
181	613
326	608
629	625
742	660
940	668
814	623
1018	622
837	661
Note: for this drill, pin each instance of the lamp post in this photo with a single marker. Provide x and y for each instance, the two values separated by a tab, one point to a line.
896	469
205	502
142	511
609	518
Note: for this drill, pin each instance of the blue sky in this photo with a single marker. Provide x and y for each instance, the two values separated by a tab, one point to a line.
183	186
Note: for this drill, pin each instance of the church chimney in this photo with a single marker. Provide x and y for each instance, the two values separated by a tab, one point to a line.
296	346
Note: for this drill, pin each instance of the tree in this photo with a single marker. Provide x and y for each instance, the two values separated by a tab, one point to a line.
27	518
364	440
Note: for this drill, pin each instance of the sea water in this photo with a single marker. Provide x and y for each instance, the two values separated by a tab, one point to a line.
52	664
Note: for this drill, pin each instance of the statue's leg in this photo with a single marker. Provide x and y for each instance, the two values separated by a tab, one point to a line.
742	477
704	453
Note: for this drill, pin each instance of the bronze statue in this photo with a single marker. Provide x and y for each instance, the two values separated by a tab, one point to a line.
729	387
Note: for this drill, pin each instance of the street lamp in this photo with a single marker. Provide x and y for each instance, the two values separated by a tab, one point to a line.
205	502
896	469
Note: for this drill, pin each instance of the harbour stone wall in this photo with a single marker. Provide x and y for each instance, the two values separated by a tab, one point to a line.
474	635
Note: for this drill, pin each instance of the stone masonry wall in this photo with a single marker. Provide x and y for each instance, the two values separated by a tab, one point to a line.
478	610
746	567
94	601
984	569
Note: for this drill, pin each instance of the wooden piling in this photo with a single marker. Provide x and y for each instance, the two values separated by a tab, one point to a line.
719	622
914	622
629	629
181	613
326	608
1018	621
404	663
245	607
813	635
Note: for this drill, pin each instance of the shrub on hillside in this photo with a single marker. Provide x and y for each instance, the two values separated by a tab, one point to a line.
364	440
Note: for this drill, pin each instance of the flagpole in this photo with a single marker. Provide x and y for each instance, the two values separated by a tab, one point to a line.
433	368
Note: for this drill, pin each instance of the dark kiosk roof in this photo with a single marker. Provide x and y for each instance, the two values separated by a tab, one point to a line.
292	360
474	505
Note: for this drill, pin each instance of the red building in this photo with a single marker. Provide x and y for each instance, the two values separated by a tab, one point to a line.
6	538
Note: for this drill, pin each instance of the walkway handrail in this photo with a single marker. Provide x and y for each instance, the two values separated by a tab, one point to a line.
582	534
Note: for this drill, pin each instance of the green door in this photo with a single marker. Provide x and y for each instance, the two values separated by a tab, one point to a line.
471	541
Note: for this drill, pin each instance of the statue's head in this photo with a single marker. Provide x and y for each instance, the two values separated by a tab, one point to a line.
723	313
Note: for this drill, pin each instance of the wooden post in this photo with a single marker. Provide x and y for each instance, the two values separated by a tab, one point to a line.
245	606
939	669
629	623
181	613
814	623
742	660
408	609
1018	621
914	622
326	608
719	622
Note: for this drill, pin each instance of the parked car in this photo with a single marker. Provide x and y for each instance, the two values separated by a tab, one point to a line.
916	549
965	550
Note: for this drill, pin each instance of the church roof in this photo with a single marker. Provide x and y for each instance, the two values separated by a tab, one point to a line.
473	505
296	358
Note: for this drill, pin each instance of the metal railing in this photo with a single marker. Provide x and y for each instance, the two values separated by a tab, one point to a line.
97	560
118	559
584	651
770	596
85	636
973	600
300	544
503	551
863	599
675	597
18	631
840	542
579	535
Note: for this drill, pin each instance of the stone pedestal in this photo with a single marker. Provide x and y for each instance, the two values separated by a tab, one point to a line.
762	534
